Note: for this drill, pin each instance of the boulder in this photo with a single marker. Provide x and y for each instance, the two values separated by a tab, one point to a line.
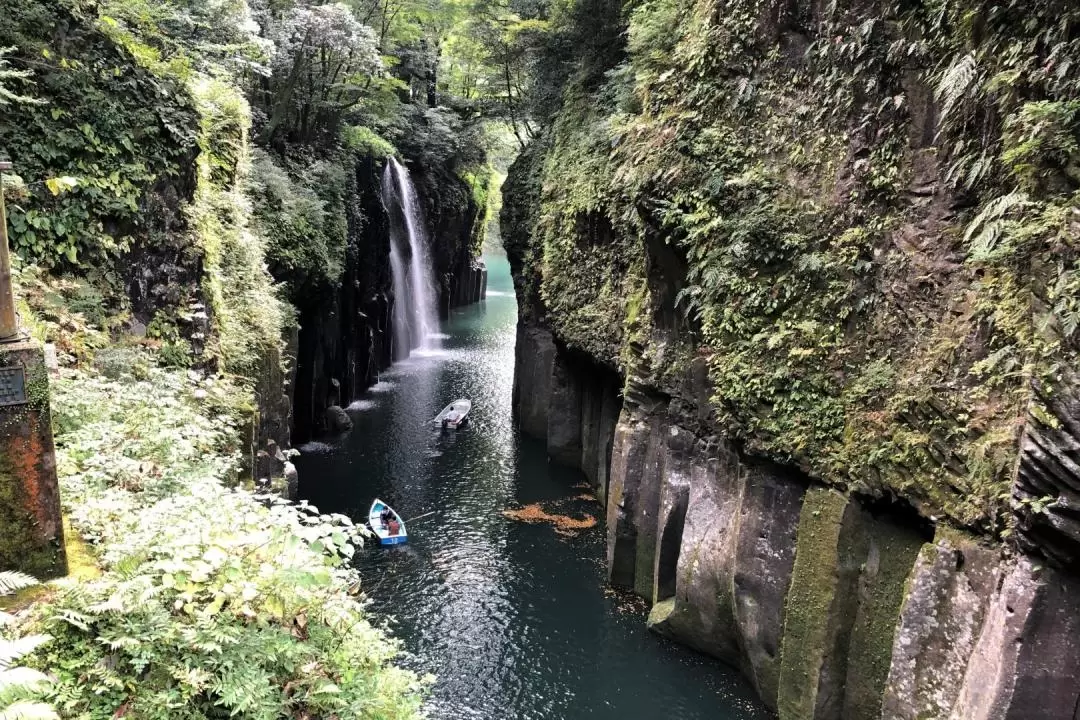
337	420
292	480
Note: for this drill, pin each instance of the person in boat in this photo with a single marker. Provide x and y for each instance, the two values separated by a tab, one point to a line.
393	526
385	517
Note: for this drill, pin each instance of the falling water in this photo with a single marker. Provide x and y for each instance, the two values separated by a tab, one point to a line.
415	320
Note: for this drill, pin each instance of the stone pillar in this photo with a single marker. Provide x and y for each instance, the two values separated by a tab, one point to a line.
31	529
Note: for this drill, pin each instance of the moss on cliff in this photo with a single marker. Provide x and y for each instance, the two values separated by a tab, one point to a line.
810	603
862	215
892	551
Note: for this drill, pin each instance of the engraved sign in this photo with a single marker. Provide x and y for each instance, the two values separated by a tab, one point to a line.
12	386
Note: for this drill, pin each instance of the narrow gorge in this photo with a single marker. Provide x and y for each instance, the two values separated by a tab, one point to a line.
780	416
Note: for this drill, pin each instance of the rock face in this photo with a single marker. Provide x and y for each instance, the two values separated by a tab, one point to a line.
1049	474
835	608
568	401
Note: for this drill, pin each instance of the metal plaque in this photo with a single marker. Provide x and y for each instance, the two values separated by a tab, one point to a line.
12	386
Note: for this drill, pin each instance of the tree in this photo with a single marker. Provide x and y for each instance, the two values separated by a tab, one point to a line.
489	59
324	58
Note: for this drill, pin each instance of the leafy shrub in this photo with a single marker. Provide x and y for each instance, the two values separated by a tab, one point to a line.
116	362
301	215
119	129
213	602
20	687
248	316
366	141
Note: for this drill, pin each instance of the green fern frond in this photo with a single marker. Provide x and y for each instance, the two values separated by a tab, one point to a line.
986	229
28	711
12	650
22	679
11	581
955	83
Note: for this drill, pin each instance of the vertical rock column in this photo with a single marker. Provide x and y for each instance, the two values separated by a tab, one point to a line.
31	529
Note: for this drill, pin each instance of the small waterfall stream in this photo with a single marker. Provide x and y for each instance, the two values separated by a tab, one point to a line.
415	318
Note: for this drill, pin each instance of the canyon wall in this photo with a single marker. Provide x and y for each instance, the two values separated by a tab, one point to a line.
835	607
818	260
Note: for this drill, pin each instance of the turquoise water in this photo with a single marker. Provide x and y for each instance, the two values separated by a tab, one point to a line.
512	618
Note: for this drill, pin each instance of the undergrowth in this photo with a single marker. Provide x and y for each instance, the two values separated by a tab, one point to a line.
213	602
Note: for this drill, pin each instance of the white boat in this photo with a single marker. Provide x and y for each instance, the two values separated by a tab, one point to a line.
384	526
454	415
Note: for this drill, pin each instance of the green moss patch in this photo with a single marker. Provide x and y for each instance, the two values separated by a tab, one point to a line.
893	550
810	602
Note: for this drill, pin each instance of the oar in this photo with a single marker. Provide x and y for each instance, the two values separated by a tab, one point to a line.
421	516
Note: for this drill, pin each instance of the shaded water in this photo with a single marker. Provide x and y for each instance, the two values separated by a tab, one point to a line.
513	618
415	316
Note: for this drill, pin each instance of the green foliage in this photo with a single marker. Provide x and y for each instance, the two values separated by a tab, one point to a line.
10	76
365	141
245	310
212	601
116	127
301	216
778	191
20	687
12	581
324	57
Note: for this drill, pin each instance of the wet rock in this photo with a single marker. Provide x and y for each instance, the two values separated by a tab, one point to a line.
847	586
1049	469
535	357
337	419
292	480
659	616
768	523
564	415
632	503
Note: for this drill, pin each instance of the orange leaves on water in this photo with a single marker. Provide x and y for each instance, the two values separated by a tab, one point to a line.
564	524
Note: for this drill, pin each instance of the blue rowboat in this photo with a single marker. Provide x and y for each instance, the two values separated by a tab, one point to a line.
385	531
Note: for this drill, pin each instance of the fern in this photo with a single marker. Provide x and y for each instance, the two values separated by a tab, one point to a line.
11	582
955	83
8	75
986	229
18	685
12	650
27	710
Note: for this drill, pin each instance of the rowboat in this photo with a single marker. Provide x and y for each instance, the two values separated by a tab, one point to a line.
385	531
454	415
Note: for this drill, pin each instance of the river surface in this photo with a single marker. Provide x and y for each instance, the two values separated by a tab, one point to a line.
513	618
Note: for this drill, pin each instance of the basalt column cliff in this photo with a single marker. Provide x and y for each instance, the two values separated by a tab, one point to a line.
799	288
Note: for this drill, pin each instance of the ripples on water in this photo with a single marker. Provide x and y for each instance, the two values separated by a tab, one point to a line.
512	618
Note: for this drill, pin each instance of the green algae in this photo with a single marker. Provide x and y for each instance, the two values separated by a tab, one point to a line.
809	602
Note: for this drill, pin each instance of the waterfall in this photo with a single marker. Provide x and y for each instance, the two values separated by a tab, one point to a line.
415	319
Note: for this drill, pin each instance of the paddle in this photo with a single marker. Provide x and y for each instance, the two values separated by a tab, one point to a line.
421	516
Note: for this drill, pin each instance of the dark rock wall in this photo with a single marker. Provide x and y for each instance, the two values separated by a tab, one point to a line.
344	339
834	607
